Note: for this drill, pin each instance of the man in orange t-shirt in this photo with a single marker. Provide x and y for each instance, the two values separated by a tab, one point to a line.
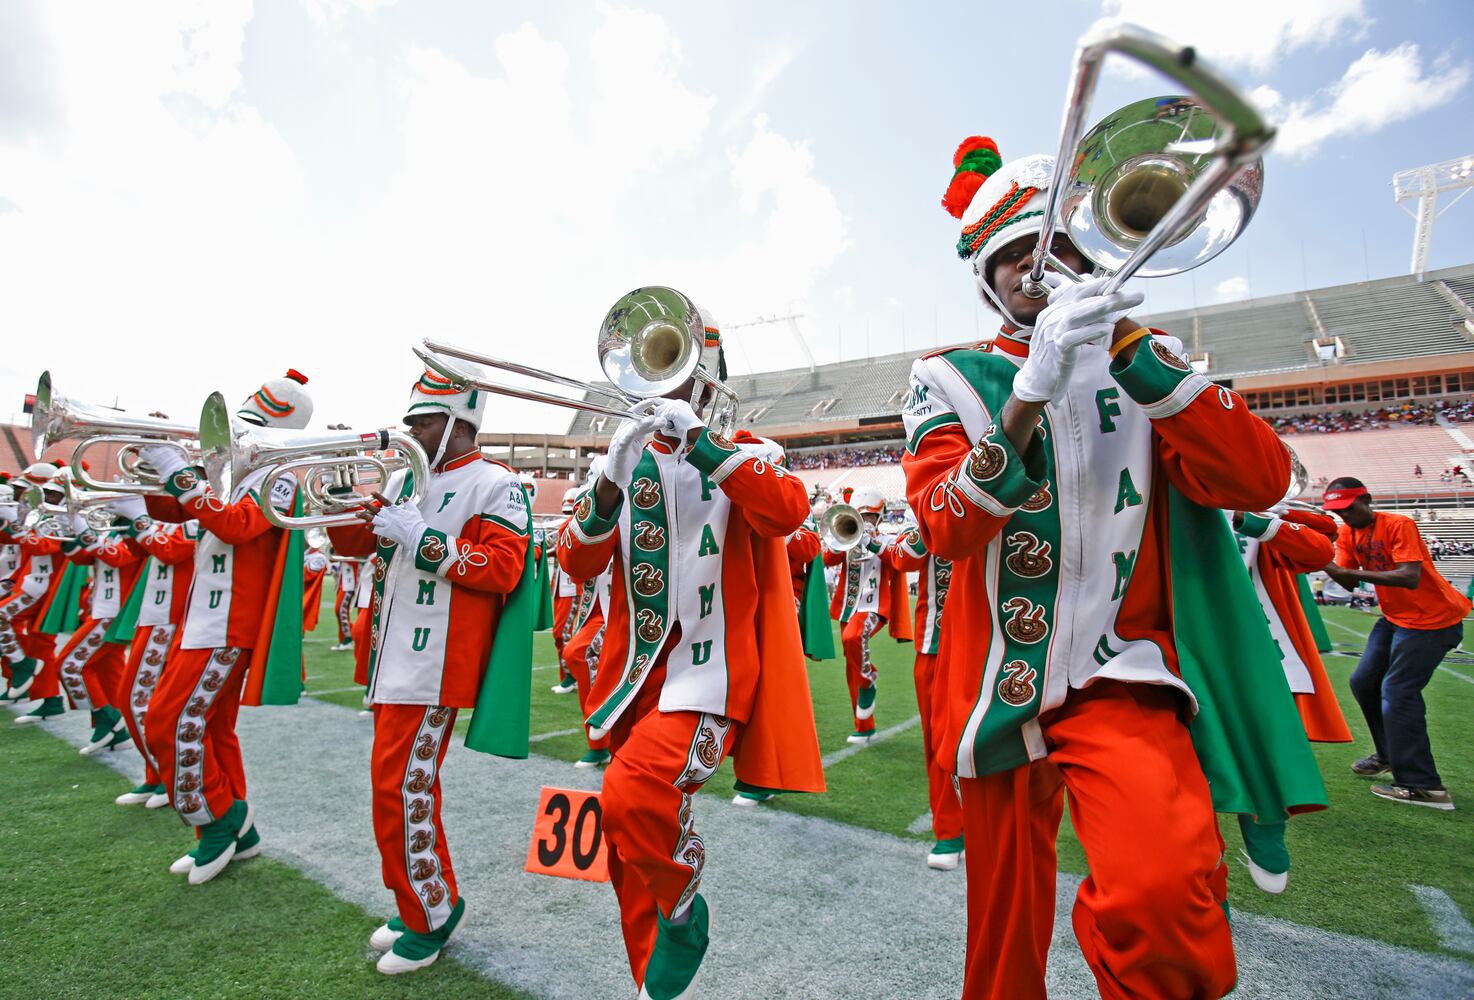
1422	619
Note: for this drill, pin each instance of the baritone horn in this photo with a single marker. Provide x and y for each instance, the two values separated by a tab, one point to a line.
59	418
1160	186
649	344
842	527
331	467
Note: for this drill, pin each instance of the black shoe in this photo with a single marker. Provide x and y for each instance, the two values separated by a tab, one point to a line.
1371	766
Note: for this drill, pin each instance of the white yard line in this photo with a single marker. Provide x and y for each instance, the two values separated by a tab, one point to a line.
356	687
1448	670
881	735
921	824
1449	923
539	737
768	871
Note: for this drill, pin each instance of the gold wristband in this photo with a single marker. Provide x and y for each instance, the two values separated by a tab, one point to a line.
1128	340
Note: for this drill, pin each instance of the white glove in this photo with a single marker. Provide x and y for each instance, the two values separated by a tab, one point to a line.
678	419
131	507
401	524
79	525
1077	314
9	513
628	443
163	459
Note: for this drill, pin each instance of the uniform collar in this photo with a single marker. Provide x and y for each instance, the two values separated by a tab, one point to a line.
460	461
1011	341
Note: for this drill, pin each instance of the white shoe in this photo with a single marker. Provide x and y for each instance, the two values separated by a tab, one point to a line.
133	798
365	713
384	937
1267	881
687	994
391	964
945	862
748	801
200	874
182	866
341	646
560	689
157	801
28	720
859	739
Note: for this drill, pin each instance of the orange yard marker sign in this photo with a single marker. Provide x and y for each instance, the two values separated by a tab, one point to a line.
568	836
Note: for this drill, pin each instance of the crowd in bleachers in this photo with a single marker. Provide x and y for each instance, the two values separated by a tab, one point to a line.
1441	549
843	458
1405	415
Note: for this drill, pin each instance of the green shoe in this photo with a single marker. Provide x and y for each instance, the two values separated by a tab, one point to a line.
594	758
107	722
945	854
49	708
139	795
865	703
749	799
1265	854
679	949
247	845
413	950
21	675
217	843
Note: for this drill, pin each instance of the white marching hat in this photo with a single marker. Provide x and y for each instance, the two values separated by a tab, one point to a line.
280	402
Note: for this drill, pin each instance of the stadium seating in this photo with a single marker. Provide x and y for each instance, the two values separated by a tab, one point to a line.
1384	459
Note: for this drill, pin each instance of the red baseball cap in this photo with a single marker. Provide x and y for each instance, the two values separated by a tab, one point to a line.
1342	498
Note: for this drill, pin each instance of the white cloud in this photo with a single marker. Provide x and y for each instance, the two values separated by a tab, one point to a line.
1376	90
327	11
1254	34
641	105
1232	289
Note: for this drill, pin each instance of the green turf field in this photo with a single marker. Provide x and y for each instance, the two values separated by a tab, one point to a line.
87	922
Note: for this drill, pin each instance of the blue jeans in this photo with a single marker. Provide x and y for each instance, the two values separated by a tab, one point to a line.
1388	685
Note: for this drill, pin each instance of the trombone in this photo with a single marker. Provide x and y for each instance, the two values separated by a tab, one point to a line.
58	418
649	344
1176	177
331	466
842	527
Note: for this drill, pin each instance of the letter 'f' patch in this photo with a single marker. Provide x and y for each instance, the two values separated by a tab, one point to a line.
446	502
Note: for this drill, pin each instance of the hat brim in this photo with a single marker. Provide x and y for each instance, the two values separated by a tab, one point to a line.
1341	503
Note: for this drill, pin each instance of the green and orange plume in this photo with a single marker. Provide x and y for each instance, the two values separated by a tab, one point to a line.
973	163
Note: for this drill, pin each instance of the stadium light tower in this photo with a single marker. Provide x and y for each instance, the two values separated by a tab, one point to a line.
1425	184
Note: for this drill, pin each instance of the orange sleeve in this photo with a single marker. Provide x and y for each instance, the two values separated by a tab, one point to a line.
162	507
1345	551
586	541
125	553
1296	546
169	547
774	502
962	492
353	540
802	548
487	555
907	554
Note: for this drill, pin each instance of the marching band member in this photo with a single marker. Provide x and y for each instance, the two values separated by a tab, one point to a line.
91	668
701	632
564	591
445	569
1277	547
155	608
870	594
29	653
315	566
1065	534
10	556
239	640
345	580
933	581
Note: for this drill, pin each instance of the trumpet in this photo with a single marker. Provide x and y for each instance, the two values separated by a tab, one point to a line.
1160	186
332	466
58	418
649	343
842	527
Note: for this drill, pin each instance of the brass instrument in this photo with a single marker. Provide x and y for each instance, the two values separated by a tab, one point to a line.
842	527
58	418
649	343
1160	186
331	466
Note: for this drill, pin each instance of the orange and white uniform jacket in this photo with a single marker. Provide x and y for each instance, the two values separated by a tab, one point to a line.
40	571
933	581
235	556
803	549
682	543
116	563
1276	550
436	608
1060	555
166	591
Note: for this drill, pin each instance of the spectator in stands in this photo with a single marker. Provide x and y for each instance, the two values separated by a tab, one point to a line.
1422	620
1418	471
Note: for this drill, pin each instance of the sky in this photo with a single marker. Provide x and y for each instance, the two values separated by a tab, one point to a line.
195	196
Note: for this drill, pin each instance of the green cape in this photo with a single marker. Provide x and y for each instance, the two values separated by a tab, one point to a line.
818	634
64	612
499	725
1312	614
120	632
1248	734
543	618
282	682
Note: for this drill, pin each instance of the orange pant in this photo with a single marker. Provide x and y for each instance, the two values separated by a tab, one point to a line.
946	809
146	658
409	750
859	669
562	608
18	635
363	644
581	660
1148	917
191	731
91	670
660	761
